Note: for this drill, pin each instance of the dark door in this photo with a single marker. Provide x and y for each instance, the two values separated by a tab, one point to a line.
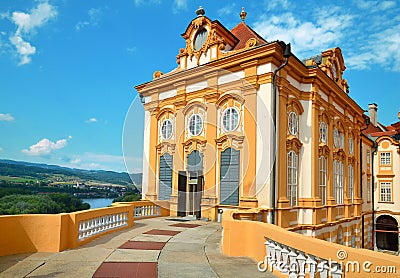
165	175
387	233
182	193
229	191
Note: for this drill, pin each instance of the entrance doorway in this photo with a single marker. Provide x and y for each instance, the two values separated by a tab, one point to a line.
387	233
190	186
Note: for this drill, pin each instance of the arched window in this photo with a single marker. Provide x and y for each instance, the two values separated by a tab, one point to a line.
195	124
351	146
230	119
292	170
351	183
166	129
336	137
322	179
323	132
338	181
293	123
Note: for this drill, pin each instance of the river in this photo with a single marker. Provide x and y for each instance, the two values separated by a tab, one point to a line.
98	202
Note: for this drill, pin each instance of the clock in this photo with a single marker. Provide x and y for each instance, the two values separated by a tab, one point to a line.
200	39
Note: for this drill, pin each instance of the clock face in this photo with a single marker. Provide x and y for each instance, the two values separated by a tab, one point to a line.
200	39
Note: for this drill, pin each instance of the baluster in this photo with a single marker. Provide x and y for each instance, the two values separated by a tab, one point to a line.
273	258
293	266
268	249
323	268
336	270
312	265
158	211
278	253
285	265
301	259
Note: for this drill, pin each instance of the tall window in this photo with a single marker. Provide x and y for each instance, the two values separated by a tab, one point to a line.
322	179
195	124
336	137
369	234
340	236
323	132
293	123
351	182
351	146
338	181
386	192
369	184
385	158
166	129
230	119
292	167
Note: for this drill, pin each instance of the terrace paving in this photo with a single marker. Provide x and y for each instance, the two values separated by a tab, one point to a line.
156	247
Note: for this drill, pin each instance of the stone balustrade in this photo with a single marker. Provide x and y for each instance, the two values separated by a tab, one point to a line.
290	254
93	226
57	232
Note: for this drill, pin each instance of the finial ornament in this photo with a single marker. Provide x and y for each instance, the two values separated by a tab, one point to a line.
243	14
200	11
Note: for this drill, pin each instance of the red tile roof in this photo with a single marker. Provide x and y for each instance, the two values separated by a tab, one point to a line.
243	32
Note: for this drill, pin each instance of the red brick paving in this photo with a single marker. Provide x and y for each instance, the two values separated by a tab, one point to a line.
126	270
143	245
183	225
162	232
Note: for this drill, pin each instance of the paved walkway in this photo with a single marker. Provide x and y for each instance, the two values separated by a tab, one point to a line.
157	247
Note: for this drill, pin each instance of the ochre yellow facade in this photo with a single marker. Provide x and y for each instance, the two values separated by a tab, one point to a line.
318	131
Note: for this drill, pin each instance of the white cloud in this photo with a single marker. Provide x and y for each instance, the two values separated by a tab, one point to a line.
307	37
69	137
75	161
180	4
375	6
27	23
6	117
91	120
280	4
228	10
45	147
25	49
141	2
94	19
131	49
1	149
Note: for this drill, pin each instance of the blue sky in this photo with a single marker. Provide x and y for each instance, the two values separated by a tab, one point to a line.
68	67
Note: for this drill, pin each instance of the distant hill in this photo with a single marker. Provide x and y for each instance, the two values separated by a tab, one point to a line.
40	172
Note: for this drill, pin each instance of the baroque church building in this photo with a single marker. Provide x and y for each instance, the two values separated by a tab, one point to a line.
243	123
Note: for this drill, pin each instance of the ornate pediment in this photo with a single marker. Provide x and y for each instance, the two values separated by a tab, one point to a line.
293	143
205	39
227	140
166	147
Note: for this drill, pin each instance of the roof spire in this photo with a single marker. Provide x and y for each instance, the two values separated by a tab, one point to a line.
200	11
243	14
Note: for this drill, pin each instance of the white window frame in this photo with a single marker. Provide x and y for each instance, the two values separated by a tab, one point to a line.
198	121
385	192
166	130
338	181
385	158
229	118
322	163
351	183
293	123
323	132
292	177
